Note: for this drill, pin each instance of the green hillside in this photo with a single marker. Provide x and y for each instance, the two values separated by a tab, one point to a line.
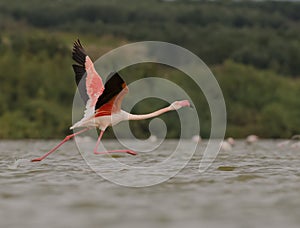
253	48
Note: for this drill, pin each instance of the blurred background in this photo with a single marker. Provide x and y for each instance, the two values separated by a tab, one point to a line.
253	49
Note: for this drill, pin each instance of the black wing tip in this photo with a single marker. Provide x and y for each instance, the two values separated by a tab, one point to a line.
78	53
79	72
79	56
77	44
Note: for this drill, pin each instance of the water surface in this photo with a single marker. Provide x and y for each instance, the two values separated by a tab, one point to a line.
251	186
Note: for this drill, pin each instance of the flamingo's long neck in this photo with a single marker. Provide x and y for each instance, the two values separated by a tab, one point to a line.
149	115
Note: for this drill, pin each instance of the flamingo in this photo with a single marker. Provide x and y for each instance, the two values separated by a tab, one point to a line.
287	142
227	144
103	101
251	139
196	138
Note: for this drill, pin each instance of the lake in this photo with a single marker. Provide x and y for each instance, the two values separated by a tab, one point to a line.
251	186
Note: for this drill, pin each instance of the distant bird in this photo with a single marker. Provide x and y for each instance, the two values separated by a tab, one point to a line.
283	143
196	138
289	142
295	145
295	137
251	139
103	102
153	138
227	144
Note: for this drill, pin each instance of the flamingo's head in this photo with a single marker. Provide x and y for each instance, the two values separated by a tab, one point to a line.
179	104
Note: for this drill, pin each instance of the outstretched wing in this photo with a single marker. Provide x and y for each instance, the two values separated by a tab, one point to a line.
88	81
111	99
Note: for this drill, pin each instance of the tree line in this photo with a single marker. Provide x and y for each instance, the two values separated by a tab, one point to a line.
263	34
252	48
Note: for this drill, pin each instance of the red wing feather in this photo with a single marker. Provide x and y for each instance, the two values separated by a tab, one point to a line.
94	84
91	86
114	105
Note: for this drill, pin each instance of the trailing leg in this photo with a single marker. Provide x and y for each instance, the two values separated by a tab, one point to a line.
110	151
67	138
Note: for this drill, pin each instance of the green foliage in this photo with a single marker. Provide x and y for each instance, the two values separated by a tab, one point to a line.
259	102
253	49
263	34
35	102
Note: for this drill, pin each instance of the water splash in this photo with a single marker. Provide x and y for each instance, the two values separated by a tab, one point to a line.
18	163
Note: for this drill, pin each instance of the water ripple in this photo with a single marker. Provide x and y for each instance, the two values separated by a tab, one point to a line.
242	188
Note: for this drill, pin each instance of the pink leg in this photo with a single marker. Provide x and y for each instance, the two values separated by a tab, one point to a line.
56	147
110	151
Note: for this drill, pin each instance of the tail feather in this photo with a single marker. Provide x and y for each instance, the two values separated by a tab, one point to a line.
80	123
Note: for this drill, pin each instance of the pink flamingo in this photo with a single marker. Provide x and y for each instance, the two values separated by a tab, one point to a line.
103	102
